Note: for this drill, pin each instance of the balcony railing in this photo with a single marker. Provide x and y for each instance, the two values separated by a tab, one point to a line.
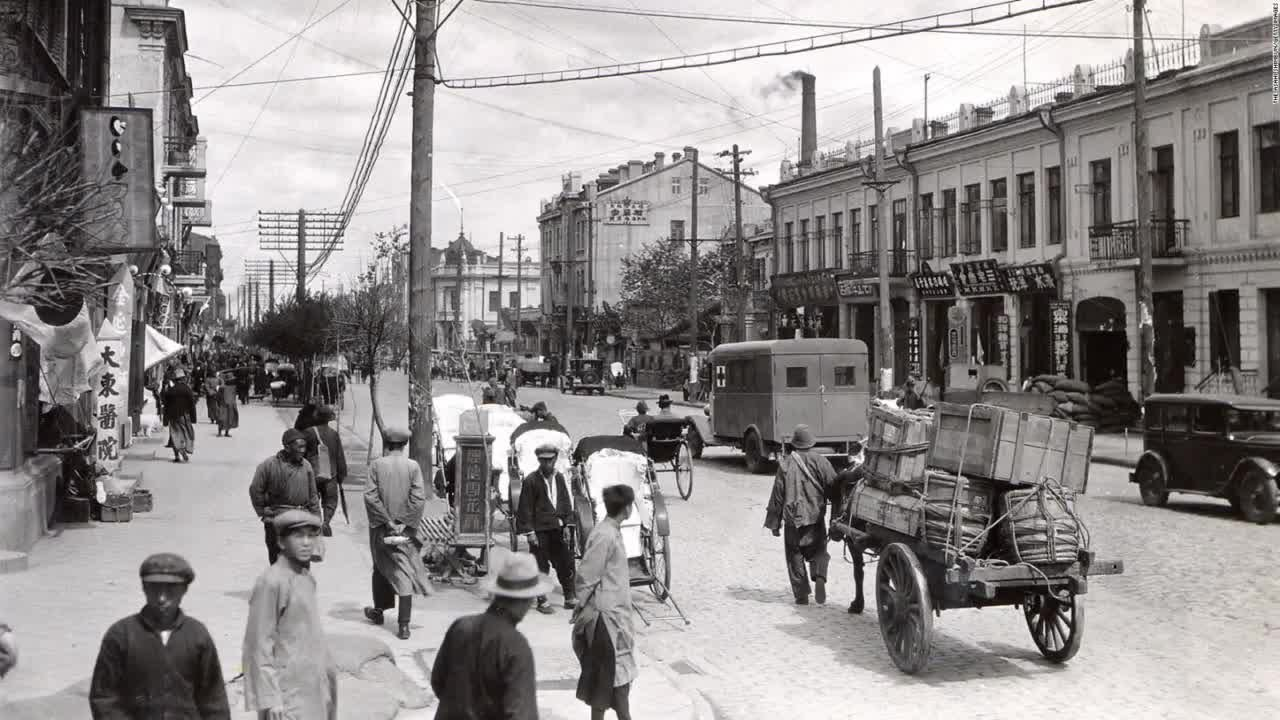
188	262
1119	240
184	156
867	264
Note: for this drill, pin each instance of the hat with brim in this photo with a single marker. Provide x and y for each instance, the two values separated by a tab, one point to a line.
802	438
517	577
294	519
546	451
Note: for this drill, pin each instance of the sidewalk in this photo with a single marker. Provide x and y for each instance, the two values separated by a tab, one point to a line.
86	578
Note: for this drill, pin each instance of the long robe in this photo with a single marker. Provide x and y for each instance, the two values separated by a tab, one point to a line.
180	415
227	411
397	492
286	660
603	632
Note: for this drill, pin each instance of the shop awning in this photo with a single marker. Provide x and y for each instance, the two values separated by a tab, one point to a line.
159	348
1100	314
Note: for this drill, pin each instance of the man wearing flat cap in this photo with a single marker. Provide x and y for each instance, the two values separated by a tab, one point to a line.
543	516
284	481
394	499
797	511
288	672
159	662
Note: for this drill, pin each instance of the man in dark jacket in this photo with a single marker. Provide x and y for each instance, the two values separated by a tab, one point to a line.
159	662
484	668
543	516
283	482
327	459
797	510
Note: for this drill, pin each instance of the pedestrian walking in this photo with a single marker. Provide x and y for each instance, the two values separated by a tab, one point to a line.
288	672
603	633
212	393
544	516
509	391
393	500
484	668
8	650
281	483
159	662
180	416
228	410
327	458
491	393
797	511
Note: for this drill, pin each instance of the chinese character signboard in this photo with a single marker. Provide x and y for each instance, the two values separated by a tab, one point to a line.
913	346
978	277
1030	279
472	496
849	288
957	335
1002	340
112	397
794	290
626	212
933	285
1060	332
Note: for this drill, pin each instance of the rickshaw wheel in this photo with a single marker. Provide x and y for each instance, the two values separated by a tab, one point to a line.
696	445
515	538
683	465
658	557
904	608
1056	625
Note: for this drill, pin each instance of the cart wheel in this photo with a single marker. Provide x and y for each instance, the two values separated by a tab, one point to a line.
684	471
1152	484
515	538
1056	625
658	550
904	608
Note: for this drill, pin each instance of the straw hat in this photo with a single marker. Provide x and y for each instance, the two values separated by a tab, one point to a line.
516	576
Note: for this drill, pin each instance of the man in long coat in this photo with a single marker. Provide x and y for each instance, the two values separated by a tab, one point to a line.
288	672
603	633
180	416
797	510
544	511
394	500
227	412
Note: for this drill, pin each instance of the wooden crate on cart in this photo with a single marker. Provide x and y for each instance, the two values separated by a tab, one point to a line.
1011	447
900	513
897	446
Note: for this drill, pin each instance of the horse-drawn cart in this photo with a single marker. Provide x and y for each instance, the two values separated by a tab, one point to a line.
944	548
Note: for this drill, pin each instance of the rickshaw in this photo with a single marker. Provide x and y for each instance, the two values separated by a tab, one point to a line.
286	381
600	461
666	442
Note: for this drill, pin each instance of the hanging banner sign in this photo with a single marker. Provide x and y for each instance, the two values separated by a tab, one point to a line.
112	386
978	277
933	285
1030	279
804	288
1002	340
913	347
850	288
1060	332
626	212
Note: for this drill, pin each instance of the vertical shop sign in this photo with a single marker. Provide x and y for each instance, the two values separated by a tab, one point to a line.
112	386
1002	339
471	500
957	335
913	346
1060	332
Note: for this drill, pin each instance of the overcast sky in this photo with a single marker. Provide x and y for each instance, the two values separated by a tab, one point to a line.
501	151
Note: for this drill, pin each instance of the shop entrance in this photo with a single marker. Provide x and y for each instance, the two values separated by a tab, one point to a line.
864	329
935	347
1104	347
1035	341
1272	302
1169	345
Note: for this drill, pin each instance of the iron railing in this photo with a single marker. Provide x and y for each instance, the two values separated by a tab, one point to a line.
867	264
188	262
1119	240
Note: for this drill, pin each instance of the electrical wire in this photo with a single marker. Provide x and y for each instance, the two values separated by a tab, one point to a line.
228	5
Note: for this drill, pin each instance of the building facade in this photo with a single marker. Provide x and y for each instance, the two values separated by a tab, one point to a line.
1012	241
588	230
475	291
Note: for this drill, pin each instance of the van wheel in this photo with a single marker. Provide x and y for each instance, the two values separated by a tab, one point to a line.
1258	496
1152	484
754	448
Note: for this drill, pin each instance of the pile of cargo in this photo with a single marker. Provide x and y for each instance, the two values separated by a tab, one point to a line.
979	481
1106	406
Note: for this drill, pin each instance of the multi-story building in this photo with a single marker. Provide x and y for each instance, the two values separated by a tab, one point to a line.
587	231
1013	224
474	290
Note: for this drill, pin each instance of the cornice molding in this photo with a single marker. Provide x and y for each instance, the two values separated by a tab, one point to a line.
156	23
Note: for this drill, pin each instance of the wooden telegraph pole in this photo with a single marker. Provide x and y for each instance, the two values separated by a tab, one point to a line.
744	264
501	249
519	290
421	297
692	154
882	242
1142	196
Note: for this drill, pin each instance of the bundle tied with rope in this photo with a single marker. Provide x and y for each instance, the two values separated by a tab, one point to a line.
1041	526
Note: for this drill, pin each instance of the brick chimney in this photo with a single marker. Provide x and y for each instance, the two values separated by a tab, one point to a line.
808	121
659	160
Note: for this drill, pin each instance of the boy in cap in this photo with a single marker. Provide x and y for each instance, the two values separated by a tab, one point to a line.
287	669
804	483
159	662
635	426
394	500
484	668
544	512
284	481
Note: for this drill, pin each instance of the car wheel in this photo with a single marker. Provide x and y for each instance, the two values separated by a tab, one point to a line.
1152	484
1258	496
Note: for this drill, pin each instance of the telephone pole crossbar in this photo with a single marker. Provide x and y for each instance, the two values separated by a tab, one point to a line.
743	281
300	232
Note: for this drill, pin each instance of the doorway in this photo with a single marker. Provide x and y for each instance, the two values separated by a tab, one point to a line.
935	350
1104	344
1272	302
864	329
1034	336
1169	345
1162	200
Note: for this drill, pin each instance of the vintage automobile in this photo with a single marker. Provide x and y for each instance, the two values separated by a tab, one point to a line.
1225	446
762	389
583	375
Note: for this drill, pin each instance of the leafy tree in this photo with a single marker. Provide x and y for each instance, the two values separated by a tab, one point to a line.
296	329
372	328
655	286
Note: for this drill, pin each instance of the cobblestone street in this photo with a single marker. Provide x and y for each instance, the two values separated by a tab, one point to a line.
1198	602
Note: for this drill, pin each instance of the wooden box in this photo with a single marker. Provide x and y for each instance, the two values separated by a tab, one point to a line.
900	513
1011	447
117	508
898	444
75	510
141	500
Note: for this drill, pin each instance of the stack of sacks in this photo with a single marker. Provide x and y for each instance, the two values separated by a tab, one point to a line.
1107	406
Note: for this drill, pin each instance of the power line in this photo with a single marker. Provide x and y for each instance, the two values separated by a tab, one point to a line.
227	4
751	52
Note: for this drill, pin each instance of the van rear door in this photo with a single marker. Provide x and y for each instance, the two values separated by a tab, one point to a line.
844	395
796	400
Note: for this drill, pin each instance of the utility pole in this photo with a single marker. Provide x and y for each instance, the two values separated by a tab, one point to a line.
421	298
298	232
926	106
257	301
519	289
1142	195
744	281
301	292
458	335
884	220
271	284
501	251
692	154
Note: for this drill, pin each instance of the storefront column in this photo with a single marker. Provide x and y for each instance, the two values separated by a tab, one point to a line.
1013	363
846	322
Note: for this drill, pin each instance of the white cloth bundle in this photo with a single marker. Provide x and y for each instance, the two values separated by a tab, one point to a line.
528	443
500	421
448	416
614	467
